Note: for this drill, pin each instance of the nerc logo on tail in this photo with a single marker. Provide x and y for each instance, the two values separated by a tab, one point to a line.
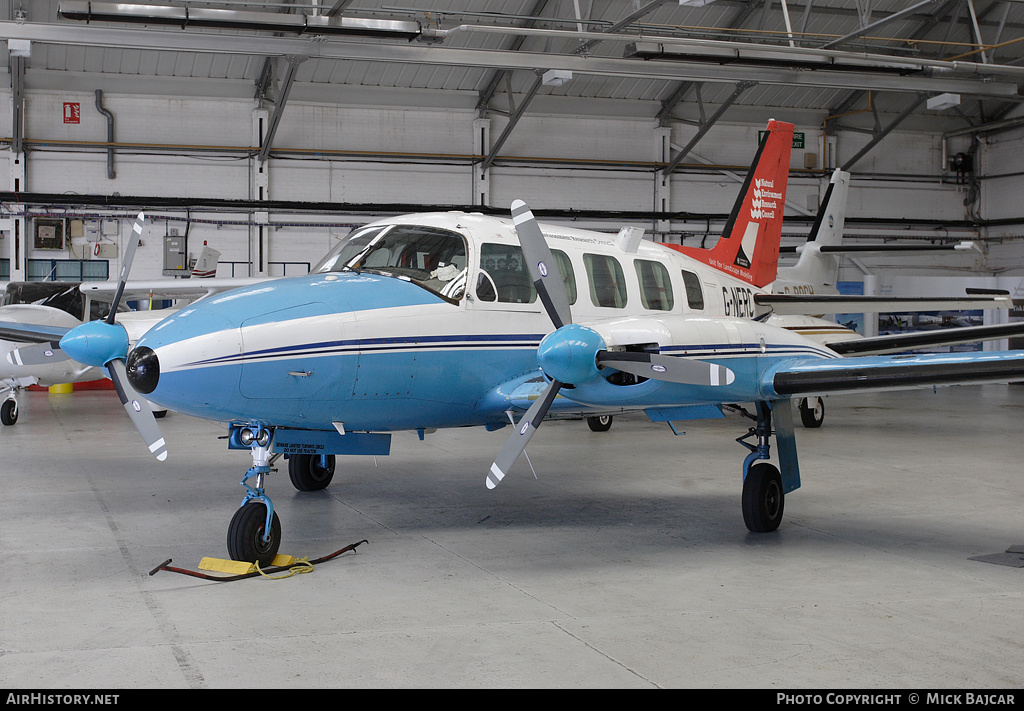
749	247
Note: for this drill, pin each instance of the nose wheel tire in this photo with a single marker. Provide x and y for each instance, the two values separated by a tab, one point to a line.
310	472
9	412
245	535
763	498
600	423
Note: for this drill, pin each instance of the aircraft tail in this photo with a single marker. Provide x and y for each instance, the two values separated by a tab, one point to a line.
749	247
206	264
814	267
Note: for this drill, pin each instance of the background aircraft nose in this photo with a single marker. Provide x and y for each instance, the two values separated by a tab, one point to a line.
143	369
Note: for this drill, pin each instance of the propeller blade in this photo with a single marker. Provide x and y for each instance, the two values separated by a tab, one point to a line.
37	354
521	437
138	409
126	265
542	266
672	369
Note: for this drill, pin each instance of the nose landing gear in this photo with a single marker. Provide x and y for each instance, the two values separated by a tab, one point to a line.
254	534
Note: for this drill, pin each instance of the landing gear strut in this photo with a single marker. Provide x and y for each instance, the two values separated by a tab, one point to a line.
764	491
254	534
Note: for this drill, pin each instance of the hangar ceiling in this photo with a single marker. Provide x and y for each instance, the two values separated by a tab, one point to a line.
859	65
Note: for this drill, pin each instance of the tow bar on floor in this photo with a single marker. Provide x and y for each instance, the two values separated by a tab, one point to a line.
292	567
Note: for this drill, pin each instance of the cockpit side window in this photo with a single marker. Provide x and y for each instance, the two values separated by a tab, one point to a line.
504	276
432	257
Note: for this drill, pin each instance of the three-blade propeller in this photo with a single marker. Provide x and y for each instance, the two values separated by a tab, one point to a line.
576	357
104	343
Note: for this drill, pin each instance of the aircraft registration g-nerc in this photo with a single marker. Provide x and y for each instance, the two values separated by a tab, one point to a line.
453	319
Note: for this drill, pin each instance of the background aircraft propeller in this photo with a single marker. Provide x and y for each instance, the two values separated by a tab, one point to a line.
572	353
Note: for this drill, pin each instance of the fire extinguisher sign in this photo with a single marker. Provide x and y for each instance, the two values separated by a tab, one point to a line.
72	112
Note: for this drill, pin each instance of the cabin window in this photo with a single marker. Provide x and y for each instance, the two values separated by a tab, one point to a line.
568	275
655	285
503	275
428	256
694	294
606	281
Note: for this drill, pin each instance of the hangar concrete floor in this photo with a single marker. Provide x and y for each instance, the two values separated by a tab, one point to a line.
625	565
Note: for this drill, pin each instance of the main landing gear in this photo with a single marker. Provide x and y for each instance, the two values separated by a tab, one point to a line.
9	411
764	490
9	408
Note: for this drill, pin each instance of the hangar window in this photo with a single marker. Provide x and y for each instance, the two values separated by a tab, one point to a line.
694	294
655	285
429	256
606	281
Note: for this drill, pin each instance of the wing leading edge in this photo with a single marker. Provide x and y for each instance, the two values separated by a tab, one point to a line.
898	372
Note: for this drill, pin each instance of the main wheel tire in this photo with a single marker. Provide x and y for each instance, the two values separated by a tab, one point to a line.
600	423
812	416
763	498
245	535
308	473
9	412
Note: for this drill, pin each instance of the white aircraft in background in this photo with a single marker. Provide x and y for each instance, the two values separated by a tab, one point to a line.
816	275
419	322
43	311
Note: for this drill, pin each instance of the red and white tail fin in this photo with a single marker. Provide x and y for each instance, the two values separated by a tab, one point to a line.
749	247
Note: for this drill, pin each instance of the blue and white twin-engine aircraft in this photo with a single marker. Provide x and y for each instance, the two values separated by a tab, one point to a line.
453	320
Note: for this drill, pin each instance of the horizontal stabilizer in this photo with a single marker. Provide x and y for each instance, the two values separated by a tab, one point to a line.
896	372
902	342
886	248
799	304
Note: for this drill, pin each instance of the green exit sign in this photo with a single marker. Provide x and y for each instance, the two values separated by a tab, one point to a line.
798	138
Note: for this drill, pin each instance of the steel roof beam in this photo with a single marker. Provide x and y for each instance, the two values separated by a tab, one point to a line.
517	42
879	135
706	126
279	104
185	41
513	120
624	22
879	23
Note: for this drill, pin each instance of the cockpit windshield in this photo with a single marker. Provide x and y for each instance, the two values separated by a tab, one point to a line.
429	256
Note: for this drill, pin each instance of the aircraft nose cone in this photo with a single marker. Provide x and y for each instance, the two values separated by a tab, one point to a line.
143	369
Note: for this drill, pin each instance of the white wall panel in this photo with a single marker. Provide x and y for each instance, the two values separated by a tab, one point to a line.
576	145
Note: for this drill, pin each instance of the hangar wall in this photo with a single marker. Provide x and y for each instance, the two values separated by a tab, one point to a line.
197	147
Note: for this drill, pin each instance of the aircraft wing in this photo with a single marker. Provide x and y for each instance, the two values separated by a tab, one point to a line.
192	289
30	333
801	377
902	342
886	248
798	304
